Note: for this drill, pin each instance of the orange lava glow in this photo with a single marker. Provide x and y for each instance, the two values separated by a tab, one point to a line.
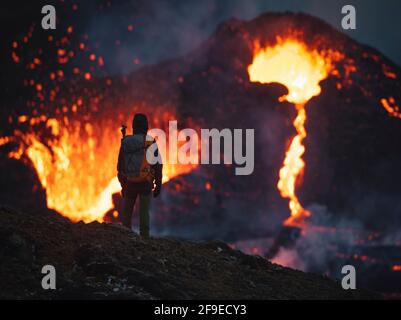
300	69
391	107
396	268
76	165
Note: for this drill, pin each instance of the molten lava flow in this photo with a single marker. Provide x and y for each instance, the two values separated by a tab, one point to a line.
292	64
76	164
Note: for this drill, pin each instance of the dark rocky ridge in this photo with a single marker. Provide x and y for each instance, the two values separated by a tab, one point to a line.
105	261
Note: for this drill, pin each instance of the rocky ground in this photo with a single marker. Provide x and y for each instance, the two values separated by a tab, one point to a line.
106	261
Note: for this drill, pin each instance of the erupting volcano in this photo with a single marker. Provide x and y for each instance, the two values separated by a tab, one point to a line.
324	109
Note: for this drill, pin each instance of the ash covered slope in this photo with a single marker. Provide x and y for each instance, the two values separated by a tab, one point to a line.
108	261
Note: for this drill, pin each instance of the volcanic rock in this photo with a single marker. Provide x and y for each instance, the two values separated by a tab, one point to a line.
105	261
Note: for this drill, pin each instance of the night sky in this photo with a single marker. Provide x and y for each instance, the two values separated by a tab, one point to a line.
175	27
167	29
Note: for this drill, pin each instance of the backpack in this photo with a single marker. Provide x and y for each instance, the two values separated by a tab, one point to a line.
136	167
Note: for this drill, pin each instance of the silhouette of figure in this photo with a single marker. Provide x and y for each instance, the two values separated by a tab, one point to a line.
136	175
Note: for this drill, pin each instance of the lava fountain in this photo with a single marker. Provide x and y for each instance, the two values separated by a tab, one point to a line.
76	160
292	64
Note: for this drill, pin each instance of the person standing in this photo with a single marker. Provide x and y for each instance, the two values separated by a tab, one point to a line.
138	178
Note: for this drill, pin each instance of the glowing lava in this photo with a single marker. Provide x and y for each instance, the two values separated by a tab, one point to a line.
292	64
76	164
391	107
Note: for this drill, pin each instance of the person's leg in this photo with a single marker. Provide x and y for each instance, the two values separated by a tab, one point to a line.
144	215
128	206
